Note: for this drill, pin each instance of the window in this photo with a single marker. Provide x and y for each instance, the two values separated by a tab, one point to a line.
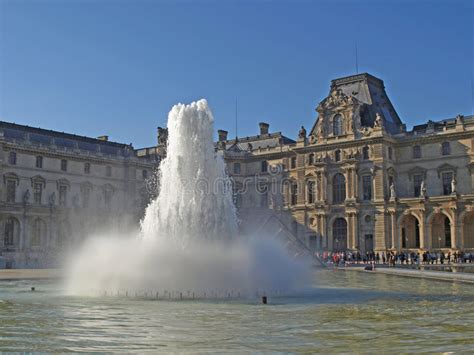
416	152
11	190
63	164
367	187
293	193
447	177
62	195
417	181
293	162
339	188
337	155
108	198
36	232
12	158
365	153
237	168
39	162
37	192
108	171
145	174
447	232
337	125
445	148
311	191
9	239
390	153
86	193
87	168
311	159
264	166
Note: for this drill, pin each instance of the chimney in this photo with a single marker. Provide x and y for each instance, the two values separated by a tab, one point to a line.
263	127
103	138
222	135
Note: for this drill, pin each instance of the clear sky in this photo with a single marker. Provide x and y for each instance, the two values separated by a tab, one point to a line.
116	67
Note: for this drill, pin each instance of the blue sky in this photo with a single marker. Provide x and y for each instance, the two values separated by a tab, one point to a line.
116	67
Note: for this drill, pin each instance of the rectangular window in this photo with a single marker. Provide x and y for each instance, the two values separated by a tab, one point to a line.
293	162
87	168
390	153
85	197
264	166
311	191
367	187
38	191
416	152
293	193
63	164
62	195
12	158
237	168
11	190
417	181
39	162
108	171
145	174
447	178
446	148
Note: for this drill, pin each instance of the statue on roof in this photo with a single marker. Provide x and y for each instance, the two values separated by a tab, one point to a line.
302	133
378	120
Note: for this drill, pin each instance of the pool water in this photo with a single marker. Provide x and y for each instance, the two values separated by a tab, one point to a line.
345	311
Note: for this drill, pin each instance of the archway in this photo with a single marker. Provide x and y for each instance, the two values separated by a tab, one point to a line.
339	234
410	232
440	231
468	230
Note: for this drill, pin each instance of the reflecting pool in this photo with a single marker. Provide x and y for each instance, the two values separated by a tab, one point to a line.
346	311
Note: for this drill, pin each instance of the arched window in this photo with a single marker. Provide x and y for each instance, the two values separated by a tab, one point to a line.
339	188
337	155
337	125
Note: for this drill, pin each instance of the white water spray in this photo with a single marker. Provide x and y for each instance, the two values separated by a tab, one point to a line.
188	239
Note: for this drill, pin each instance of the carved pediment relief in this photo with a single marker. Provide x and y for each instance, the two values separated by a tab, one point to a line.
37	179
417	170
446	167
336	99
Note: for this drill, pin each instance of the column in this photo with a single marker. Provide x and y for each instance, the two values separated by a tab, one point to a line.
455	242
393	216
348	184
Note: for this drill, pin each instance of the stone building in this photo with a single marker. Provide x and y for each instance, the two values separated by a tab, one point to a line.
358	180
58	187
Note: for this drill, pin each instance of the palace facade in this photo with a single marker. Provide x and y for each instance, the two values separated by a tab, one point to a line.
356	180
59	187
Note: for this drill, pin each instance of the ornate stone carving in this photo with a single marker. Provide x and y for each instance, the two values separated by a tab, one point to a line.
302	133
378	120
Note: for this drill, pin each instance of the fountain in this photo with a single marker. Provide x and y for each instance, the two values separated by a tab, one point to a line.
188	239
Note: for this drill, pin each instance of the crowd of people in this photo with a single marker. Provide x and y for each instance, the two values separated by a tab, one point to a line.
393	258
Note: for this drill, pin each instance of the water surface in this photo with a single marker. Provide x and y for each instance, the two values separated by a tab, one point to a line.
344	312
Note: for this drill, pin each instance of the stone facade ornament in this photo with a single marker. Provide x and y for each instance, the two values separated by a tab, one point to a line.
378	120
313	139
453	185
26	196
423	189
393	194
302	133
52	199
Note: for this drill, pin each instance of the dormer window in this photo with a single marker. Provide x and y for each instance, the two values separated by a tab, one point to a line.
337	125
